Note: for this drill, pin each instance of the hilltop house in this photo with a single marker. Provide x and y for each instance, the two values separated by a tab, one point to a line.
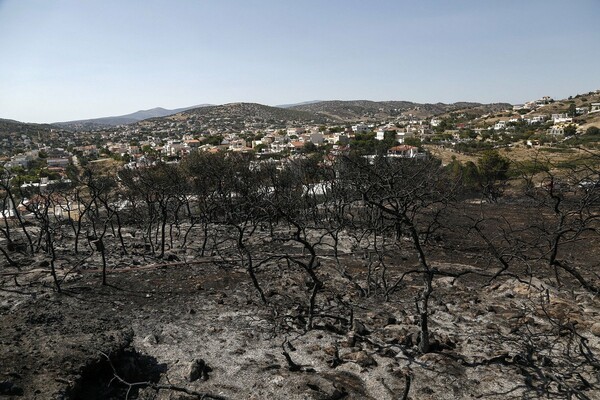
561	118
500	125
538	119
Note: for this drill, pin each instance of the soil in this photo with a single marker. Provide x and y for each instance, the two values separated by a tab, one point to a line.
518	154
198	325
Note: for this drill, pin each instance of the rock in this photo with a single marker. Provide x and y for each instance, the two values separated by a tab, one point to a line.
381	319
350	341
330	350
197	369
8	388
595	329
360	329
319	388
171	257
146	394
444	282
393	331
361	358
151	340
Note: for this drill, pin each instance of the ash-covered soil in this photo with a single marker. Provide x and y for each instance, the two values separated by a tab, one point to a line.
198	326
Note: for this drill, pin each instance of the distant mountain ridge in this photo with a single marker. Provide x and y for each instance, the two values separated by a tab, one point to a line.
330	110
317	111
124	119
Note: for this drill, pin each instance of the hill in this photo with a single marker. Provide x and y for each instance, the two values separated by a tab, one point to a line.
14	135
362	110
255	112
580	101
236	117
12	126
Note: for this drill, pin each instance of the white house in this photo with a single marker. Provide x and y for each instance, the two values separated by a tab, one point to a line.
401	136
561	118
403	151
359	128
173	147
538	119
237	145
500	125
295	131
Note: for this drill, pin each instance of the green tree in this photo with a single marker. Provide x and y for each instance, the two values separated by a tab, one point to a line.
493	170
309	147
260	147
572	110
570	130
593	130
413	141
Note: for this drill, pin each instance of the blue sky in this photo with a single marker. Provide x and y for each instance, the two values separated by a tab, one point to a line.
74	59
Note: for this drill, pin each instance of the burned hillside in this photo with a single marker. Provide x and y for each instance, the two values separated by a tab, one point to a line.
321	277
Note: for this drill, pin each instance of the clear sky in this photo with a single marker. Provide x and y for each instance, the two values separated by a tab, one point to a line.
74	59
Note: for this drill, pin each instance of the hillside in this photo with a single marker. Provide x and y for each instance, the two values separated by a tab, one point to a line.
253	112
580	101
12	134
186	322
235	117
356	110
12	126
561	106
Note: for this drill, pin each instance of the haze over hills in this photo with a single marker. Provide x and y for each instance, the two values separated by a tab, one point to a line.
124	119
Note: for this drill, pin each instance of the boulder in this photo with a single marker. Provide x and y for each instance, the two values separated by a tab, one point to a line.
197	369
361	358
